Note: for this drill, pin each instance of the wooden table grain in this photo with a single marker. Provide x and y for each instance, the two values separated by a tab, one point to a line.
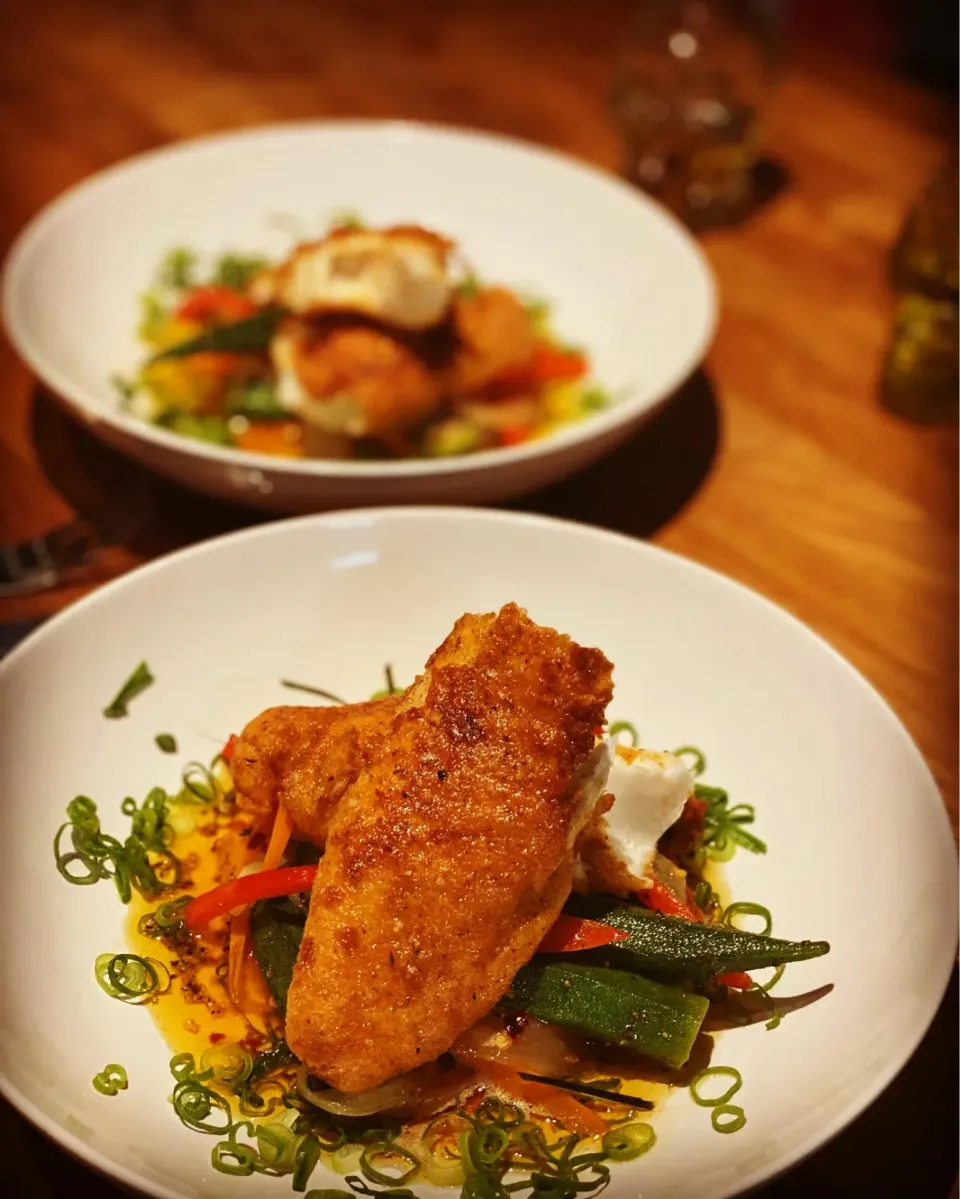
774	464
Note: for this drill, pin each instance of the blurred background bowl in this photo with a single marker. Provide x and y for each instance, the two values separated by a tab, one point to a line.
623	278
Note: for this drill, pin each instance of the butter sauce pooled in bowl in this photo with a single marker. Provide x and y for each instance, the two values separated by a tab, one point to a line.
454	931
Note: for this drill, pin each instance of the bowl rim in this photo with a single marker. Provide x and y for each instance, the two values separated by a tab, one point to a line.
84	403
361	517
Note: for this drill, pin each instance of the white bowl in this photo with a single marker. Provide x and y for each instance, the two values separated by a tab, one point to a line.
860	852
626	280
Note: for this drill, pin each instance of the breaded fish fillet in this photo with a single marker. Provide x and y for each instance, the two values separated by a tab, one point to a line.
306	757
452	854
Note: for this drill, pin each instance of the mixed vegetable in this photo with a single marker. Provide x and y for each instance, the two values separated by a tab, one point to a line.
230	365
538	1097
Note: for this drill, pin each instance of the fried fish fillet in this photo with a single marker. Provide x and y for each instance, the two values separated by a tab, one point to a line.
452	853
306	757
351	380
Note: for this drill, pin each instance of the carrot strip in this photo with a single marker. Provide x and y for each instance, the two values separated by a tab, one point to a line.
279	839
240	925
550	1100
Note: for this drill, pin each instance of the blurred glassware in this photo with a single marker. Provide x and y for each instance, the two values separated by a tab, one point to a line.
687	95
921	379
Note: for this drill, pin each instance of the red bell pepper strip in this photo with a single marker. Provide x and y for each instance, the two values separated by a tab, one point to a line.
570	934
549	363
514	435
215	303
659	898
267	884
736	979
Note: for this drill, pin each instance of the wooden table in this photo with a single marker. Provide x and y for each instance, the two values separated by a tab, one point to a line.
774	464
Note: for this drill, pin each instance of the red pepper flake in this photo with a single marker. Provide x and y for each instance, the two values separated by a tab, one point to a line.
217	1037
227	752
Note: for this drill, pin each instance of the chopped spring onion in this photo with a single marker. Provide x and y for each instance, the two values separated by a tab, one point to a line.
335	699
699	764
307	1156
184	1069
629	1141
348	218
749	909
129	977
143	861
485	1145
391	687
277	1145
199	783
715	1072
582	1088
359	1187
394	1157
765	989
727	1117
723	826
497	1111
139	681
228	1063
167	916
111	1080
166	742
624	726
195	1104
233	1157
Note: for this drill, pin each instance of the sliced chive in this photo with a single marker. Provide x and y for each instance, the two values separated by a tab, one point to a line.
166	742
582	1088
139	681
312	690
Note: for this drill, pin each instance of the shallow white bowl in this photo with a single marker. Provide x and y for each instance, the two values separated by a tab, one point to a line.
627	282
842	796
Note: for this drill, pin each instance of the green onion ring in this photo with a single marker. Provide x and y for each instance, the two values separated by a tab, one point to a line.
749	909
184	1069
193	1103
494	1110
727	1117
390	1151
715	1072
624	726
629	1141
486	1145
129	977
229	1157
275	1142
699	761
204	791
228	1063
111	1080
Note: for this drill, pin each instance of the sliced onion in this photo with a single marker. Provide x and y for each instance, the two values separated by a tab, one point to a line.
426	1084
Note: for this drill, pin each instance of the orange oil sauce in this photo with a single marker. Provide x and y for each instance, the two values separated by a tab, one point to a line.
196	1011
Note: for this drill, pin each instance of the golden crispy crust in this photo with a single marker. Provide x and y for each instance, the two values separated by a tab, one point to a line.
306	758
452	854
388	385
495	335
